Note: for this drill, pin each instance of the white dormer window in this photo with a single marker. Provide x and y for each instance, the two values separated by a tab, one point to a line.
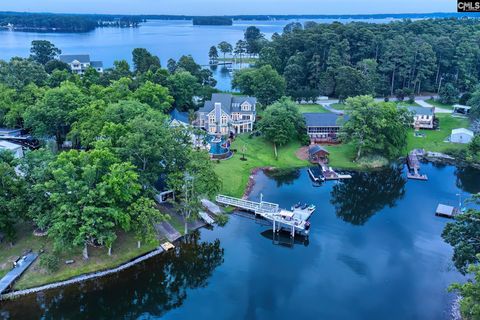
246	106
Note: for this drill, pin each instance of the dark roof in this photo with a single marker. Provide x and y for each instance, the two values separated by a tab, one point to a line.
323	119
226	100
420	110
314	149
68	58
96	64
179	116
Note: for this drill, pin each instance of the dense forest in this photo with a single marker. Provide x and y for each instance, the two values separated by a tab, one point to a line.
212	21
63	22
399	58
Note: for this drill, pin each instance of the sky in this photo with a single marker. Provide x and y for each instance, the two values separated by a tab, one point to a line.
230	7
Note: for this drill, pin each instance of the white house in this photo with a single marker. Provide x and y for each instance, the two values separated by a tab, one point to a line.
80	62
423	118
226	113
14	148
461	135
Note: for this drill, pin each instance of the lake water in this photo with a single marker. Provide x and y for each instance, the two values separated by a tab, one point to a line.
167	39
374	252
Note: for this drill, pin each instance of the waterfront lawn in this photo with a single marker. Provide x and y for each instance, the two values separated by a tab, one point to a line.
434	139
124	250
342	156
312	108
338	106
436	103
235	173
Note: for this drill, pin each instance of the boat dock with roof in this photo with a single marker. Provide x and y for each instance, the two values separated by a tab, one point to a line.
295	221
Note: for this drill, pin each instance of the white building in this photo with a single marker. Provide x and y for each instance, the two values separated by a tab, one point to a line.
461	135
14	148
80	62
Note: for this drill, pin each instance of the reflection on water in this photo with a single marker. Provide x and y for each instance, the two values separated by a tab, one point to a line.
283	176
359	198
468	178
159	285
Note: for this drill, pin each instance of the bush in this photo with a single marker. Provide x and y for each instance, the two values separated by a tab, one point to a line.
373	162
50	262
222	219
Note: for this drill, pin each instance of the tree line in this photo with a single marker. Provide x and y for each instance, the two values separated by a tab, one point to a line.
122	147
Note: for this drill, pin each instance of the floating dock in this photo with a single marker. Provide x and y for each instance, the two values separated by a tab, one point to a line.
205	217
330	174
315	178
414	167
295	221
446	211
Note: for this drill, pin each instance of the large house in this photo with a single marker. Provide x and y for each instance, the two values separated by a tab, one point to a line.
323	127
80	62
226	113
423	118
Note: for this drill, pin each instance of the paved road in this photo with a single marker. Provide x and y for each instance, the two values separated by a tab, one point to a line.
425	104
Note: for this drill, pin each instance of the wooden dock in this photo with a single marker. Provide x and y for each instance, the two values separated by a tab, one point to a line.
414	167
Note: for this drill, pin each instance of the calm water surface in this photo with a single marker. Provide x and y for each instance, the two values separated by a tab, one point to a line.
167	39
375	252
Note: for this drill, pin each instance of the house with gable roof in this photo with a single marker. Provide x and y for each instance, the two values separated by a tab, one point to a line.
226	113
79	63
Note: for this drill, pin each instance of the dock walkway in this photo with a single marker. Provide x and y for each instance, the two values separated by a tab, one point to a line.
17	271
414	167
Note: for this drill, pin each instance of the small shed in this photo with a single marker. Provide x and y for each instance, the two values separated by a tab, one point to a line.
461	135
317	153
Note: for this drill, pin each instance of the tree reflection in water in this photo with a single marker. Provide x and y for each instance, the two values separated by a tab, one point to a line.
359	198
283	176
148	289
467	179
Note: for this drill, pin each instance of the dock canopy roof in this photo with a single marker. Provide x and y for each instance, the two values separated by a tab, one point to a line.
324	119
314	149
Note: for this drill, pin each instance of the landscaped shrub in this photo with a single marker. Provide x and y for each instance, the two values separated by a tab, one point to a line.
50	262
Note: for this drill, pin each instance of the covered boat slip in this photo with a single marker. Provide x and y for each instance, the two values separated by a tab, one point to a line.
292	221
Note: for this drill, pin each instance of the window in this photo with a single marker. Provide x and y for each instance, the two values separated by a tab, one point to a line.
245	107
224	119
211	119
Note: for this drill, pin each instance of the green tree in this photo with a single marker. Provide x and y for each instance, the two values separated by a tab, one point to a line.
376	128
144	216
12	202
282	122
349	82
197	180
155	96
183	86
253	38
264	83
42	51
469	293
52	115
448	94
19	72
463	235
53	65
143	60
90	193
213	54
225	48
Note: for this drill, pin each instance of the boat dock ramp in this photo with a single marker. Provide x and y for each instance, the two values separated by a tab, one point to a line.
17	271
295	221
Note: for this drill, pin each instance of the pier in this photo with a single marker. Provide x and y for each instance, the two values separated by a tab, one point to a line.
17	271
414	167
293	222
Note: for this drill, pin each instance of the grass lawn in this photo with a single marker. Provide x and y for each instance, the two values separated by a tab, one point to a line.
338	106
124	249
259	153
312	108
342	156
439	104
434	138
